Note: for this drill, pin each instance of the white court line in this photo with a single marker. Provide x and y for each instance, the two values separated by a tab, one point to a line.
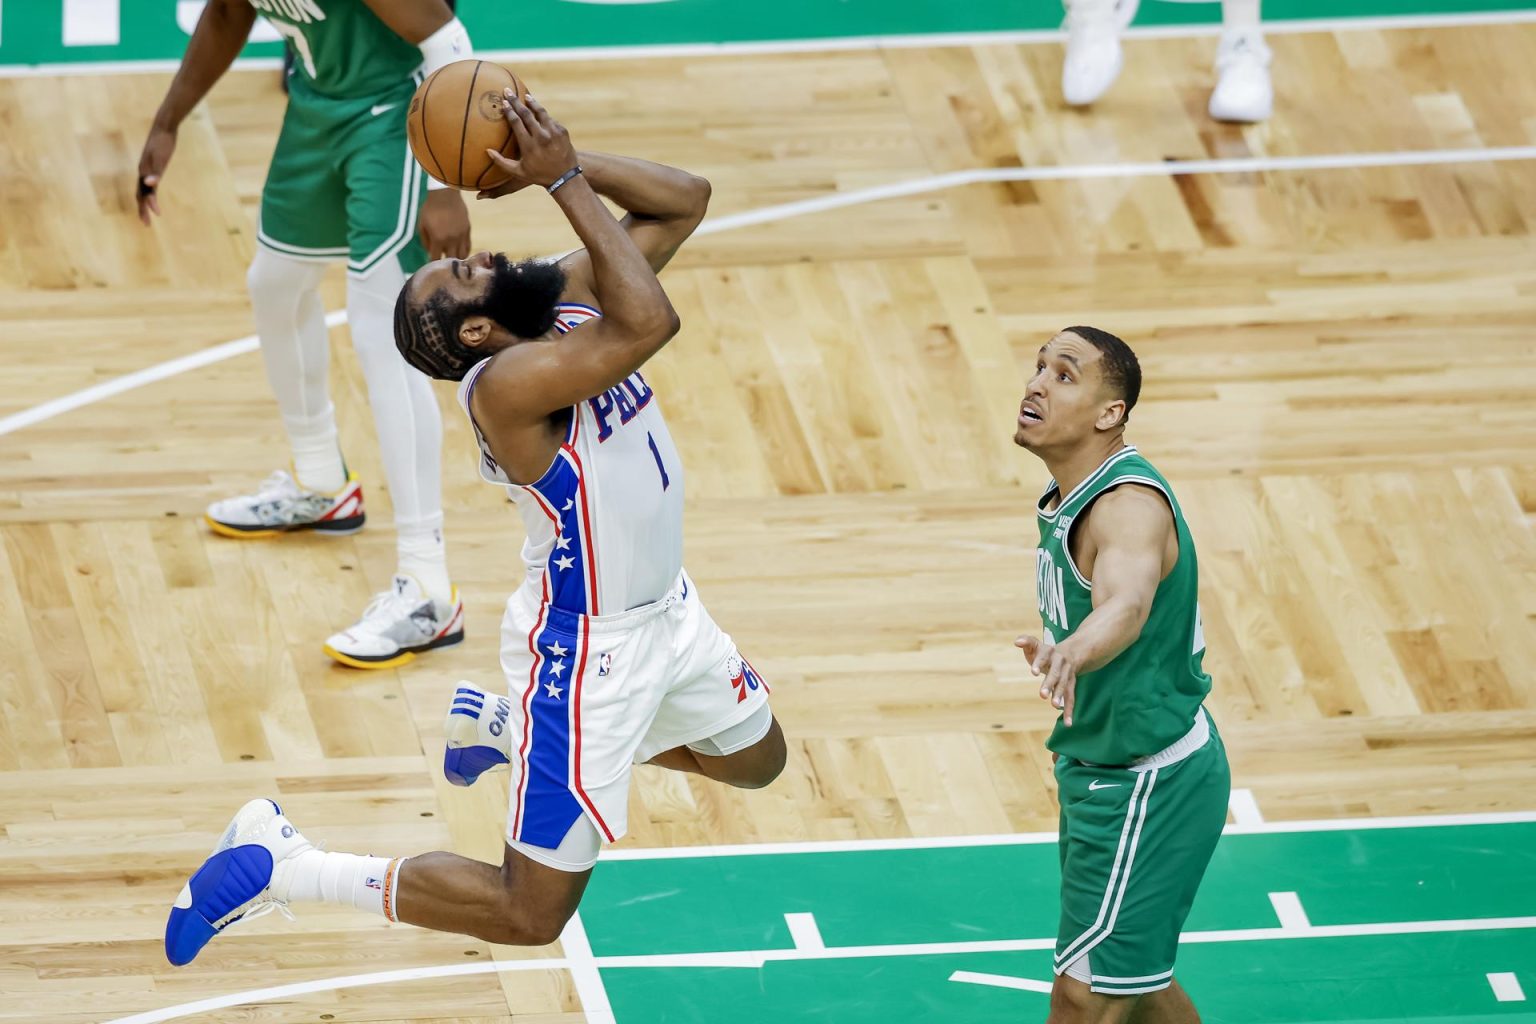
139	378
839	200
836	43
756	958
1288	908
1001	981
1245	809
1032	838
584	973
1506	988
804	933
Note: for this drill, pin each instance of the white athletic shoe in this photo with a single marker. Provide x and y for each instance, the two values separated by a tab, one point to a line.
234	883
397	625
476	729
1243	90
1094	57
282	505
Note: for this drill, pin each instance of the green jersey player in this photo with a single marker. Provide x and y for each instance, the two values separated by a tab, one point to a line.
1141	773
342	186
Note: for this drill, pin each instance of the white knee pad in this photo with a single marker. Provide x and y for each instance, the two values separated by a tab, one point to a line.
738	737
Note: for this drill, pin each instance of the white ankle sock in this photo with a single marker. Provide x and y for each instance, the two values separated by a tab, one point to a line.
316	455
342	879
424	555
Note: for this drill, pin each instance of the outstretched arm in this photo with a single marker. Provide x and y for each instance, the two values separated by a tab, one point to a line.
1129	529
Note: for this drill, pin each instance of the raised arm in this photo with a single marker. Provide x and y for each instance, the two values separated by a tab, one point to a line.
529	381
663	205
1130	531
221	32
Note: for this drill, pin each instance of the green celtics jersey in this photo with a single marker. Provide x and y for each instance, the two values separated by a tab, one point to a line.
340	47
1147	697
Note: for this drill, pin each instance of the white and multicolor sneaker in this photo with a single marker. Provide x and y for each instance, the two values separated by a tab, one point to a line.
476	729
234	883
1244	93
1094	56
397	625
283	505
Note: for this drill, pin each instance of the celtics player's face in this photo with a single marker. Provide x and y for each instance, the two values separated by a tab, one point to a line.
1066	402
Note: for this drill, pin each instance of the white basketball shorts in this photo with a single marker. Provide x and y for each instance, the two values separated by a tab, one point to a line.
594	695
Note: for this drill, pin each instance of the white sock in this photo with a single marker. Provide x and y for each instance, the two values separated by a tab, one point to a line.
423	555
341	879
316	455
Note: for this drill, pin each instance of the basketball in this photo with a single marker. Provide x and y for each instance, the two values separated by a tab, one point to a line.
455	116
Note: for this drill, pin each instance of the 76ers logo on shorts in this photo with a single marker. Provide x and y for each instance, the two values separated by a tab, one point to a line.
743	678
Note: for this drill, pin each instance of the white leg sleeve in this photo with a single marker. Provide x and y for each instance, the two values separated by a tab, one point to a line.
290	321
406	417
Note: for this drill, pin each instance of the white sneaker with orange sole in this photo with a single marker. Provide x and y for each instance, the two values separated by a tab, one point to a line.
283	505
397	625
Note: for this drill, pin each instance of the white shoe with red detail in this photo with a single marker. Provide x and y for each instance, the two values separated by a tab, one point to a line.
283	505
397	625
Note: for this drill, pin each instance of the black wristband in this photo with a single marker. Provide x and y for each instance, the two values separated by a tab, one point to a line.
567	176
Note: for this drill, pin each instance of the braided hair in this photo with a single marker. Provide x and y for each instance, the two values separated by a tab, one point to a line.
422	338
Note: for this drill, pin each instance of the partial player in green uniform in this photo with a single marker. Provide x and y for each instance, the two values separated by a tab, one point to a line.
342	185
1141	772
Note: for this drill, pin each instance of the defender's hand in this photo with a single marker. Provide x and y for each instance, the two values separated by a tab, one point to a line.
1059	667
444	224
152	163
544	150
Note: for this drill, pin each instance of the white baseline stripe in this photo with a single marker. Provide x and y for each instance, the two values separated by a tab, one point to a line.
756	958
889	42
1001	981
821	204
589	983
1032	838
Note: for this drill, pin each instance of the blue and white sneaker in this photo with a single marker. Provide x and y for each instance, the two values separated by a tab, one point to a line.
478	739
234	882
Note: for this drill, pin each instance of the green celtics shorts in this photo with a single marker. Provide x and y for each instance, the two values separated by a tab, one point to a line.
1134	845
343	183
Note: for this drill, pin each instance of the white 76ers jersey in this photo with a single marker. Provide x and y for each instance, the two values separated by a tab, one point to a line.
605	521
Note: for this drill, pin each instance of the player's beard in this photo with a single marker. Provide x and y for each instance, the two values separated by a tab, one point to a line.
523	295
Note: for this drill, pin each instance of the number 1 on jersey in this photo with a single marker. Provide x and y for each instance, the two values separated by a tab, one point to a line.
660	466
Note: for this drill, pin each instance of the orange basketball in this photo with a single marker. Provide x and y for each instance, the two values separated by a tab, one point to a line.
455	116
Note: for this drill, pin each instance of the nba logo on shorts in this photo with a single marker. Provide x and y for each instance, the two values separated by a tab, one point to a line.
604	663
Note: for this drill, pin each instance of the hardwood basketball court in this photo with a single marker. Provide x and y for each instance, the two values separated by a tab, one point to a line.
1340	382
